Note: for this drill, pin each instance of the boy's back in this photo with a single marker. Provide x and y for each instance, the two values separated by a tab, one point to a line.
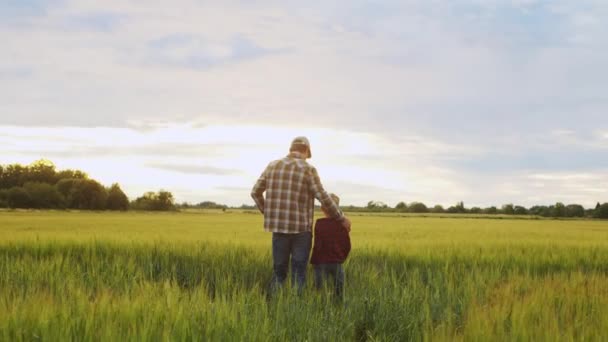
331	242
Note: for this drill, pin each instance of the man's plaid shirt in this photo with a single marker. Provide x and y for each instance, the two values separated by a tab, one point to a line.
291	186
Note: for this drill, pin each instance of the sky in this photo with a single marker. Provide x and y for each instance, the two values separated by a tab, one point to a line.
483	101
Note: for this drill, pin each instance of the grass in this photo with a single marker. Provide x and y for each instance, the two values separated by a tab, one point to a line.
203	276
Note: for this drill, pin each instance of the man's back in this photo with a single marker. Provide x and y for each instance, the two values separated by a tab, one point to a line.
291	185
289	203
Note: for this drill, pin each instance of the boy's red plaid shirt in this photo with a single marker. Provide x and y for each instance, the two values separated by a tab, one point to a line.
332	242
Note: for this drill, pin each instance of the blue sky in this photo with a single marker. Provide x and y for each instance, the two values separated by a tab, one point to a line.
489	102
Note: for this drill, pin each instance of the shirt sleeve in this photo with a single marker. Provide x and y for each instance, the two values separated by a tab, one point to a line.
319	193
257	193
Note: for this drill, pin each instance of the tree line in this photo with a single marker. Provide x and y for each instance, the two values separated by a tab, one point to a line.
41	186
557	210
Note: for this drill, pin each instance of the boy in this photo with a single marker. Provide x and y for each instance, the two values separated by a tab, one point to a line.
331	247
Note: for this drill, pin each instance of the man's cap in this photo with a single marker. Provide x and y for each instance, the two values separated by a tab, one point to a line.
301	141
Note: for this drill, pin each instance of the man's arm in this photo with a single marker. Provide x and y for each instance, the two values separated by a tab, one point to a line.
319	193
257	193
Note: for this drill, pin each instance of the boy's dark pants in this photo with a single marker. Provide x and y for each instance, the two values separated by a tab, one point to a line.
323	272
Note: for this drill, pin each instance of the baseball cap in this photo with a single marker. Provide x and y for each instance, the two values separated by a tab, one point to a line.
301	141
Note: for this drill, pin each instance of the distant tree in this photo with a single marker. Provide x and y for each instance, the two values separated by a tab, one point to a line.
158	201
602	211
540	210
452	210
558	210
88	194
3	198
490	210
597	206
42	171
65	187
18	198
117	200
211	205
165	200
401	206
508	209
475	210
70	174
44	196
437	209
575	210
12	176
417	207
520	210
376	206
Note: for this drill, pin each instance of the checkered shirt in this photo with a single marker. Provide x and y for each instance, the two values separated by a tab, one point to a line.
291	185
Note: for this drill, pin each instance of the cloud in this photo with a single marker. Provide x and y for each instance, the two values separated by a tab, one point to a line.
15	72
447	96
195	52
101	21
194	169
15	12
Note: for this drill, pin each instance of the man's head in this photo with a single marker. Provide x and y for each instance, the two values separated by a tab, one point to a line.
301	145
336	200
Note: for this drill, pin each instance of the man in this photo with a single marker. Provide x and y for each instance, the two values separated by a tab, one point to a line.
291	185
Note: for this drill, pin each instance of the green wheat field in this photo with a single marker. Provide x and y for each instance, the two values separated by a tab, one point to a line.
203	276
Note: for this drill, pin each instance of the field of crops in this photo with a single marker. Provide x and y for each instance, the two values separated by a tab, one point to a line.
203	276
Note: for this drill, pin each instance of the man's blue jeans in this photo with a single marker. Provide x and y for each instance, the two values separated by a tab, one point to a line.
298	247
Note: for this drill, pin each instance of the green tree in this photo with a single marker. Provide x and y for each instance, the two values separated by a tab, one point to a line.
401	206
376	206
559	210
3	198
491	210
575	210
18	198
65	186
44	195
475	210
211	205
117	200
602	211
418	207
437	209
87	194
163	200
520	210
42	171
13	176
508	209
457	209
70	174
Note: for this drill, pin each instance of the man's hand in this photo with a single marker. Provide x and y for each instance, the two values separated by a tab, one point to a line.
346	223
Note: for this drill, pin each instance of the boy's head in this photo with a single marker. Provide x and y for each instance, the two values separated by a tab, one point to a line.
336	200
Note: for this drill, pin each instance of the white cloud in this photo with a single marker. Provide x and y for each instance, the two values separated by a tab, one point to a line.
442	98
